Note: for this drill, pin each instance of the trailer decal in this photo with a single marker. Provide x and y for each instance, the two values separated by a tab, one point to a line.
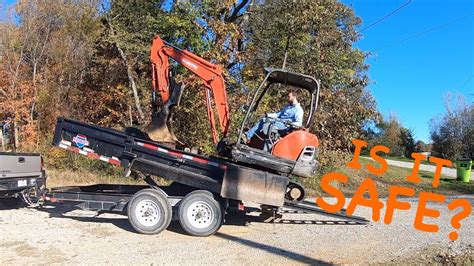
68	146
81	141
182	155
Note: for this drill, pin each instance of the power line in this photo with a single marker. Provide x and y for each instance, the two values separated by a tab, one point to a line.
423	32
466	82
385	17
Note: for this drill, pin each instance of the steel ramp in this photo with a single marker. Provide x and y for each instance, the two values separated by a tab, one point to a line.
311	208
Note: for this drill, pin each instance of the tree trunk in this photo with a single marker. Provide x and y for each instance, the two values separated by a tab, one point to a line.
132	82
17	71
32	111
130	114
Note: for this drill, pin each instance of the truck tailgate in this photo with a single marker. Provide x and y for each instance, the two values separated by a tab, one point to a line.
17	165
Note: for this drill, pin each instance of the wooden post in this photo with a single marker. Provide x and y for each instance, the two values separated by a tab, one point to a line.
15	133
2	138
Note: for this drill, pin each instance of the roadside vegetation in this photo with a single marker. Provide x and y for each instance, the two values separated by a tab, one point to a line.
394	176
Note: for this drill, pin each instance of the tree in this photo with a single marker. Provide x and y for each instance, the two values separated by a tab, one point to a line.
45	65
453	133
421	146
390	135
317	37
407	141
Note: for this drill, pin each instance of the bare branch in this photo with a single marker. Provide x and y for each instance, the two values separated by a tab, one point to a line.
235	11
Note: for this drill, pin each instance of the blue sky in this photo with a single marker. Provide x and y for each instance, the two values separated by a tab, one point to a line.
410	79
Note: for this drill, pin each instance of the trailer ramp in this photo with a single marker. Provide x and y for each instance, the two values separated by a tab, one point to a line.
273	215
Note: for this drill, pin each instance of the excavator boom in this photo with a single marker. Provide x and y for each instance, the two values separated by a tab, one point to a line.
210	73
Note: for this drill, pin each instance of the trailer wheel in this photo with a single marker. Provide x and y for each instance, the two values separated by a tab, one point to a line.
149	211
200	214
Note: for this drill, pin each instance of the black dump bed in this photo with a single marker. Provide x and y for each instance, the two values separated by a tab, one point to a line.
121	149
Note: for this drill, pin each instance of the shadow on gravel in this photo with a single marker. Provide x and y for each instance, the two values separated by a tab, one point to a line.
11	203
274	250
59	211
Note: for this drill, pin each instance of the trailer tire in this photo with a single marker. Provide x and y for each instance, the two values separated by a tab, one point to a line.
149	211
200	214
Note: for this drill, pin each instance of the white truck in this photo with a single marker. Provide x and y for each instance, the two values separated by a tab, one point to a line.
22	179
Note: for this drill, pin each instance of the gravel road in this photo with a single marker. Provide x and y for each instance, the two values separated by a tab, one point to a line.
62	234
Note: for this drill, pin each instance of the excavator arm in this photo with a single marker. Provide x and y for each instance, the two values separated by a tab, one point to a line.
210	73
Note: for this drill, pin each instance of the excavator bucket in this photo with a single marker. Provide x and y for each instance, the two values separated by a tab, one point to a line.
159	128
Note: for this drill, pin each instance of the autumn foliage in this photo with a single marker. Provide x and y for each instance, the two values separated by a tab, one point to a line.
89	60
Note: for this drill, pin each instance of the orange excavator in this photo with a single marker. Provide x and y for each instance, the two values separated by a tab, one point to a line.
291	152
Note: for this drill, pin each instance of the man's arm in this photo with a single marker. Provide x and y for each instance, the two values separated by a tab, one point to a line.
277	114
298	118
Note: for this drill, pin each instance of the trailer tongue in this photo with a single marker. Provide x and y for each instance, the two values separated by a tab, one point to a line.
203	189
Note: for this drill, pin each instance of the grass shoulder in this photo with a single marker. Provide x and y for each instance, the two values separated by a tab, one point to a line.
395	176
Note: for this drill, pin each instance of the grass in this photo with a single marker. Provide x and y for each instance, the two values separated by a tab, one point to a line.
58	178
395	176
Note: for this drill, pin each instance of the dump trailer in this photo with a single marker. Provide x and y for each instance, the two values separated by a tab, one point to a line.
204	188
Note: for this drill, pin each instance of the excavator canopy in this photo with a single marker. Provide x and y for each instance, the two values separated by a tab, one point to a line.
293	79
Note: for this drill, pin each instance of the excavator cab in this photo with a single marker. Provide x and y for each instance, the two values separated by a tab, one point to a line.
290	151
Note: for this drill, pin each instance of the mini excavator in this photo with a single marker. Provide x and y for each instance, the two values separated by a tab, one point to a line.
290	153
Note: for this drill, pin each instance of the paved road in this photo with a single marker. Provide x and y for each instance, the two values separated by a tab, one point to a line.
430	168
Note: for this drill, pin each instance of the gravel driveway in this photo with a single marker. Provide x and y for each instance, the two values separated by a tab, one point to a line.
65	235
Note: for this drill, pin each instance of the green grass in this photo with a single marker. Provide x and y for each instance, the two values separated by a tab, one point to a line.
395	176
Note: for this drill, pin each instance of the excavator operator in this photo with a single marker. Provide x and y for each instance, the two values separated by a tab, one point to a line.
290	116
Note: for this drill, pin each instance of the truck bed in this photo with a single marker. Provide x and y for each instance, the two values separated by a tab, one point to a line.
218	176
